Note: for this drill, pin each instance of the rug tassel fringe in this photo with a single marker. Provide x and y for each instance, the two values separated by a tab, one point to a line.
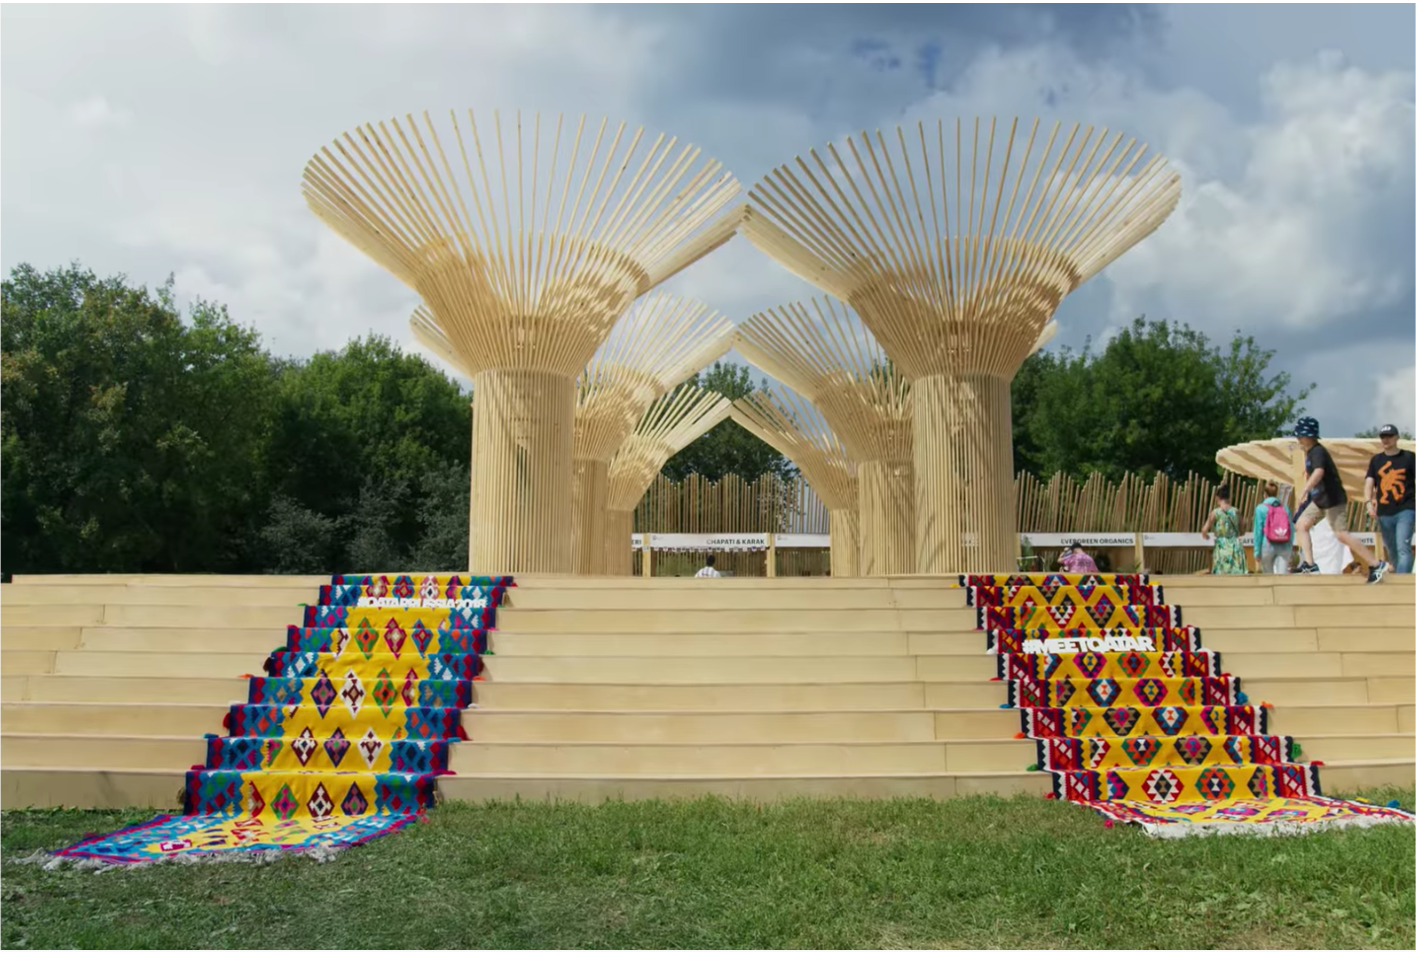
47	861
1272	829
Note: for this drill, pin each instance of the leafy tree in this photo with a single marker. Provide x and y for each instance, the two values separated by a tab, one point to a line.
137	440
132	440
444	512
727	448
298	540
368	410
1158	398
1029	455
358	434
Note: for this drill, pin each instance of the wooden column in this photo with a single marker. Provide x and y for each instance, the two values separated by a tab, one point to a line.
886	517
845	543
522	431
966	517
619	548
589	516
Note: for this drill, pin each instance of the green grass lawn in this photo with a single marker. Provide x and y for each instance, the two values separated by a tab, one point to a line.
974	872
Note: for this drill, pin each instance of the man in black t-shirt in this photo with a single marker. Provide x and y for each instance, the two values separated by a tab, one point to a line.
1324	498
1391	496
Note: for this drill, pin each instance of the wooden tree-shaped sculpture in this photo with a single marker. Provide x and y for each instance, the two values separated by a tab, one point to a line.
826	355
796	430
955	255
671	423
658	345
525	244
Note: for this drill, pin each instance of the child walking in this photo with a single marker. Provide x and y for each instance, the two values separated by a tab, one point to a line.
1228	553
1273	533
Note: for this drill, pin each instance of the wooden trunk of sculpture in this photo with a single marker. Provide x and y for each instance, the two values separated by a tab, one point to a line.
886	518
587	528
845	543
619	554
522	438
965	520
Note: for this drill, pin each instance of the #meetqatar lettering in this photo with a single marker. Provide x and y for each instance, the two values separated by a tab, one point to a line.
1110	643
370	602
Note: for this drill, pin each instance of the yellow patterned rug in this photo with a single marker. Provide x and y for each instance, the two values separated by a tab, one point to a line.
345	736
1134	719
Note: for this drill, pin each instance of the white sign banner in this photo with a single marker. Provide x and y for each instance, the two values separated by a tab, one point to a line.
729	542
700	542
1092	540
803	541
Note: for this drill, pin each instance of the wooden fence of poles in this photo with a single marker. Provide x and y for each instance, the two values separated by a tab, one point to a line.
1062	504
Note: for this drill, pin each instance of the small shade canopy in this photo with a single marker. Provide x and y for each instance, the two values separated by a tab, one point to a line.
1281	460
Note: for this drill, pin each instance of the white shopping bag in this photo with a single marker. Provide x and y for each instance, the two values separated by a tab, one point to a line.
1330	555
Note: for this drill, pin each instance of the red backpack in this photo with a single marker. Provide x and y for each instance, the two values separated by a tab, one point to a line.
1277	527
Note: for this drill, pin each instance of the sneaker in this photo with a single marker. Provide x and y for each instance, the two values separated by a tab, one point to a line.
1378	572
1306	569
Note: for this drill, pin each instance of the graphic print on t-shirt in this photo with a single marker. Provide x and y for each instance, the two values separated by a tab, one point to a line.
1393	478
1391	483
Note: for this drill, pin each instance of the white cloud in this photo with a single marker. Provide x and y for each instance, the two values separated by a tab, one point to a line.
1395	399
1314	230
212	190
97	111
1295	219
1300	220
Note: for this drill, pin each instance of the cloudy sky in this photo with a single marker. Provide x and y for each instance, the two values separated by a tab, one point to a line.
150	140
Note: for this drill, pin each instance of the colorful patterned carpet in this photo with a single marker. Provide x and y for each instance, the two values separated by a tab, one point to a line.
1134	719
343	738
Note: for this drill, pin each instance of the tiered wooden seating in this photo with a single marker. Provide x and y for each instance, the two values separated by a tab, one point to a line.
665	687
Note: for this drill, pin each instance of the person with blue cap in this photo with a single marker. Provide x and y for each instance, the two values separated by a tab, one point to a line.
1324	499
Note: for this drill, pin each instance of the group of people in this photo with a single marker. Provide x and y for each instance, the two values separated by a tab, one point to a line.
1390	492
1390	496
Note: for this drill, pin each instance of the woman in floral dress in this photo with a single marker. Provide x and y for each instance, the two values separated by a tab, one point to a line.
1228	553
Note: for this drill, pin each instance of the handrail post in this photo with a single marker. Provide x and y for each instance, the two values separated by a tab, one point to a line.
646	553
771	555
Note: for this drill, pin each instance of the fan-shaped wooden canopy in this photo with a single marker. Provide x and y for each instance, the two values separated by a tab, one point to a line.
956	243
671	423
662	341
797	430
1281	460
526	239
826	355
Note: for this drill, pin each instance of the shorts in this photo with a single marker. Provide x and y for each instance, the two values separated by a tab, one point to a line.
1336	517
